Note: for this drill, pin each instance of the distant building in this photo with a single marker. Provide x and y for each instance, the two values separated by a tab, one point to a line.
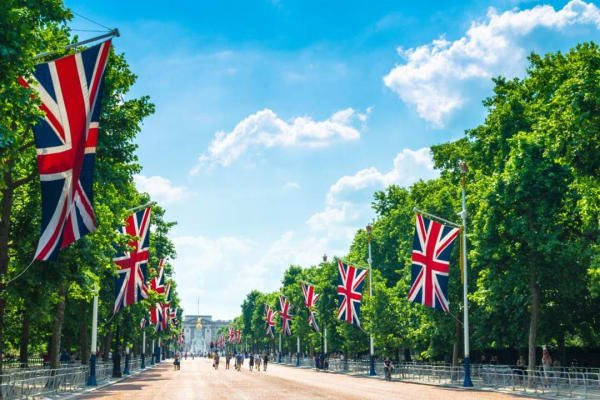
199	331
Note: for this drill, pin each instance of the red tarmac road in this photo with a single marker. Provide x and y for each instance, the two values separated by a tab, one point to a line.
198	380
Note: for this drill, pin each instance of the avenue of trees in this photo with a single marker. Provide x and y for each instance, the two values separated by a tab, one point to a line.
49	307
533	200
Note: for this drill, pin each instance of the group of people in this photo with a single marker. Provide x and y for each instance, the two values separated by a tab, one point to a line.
239	358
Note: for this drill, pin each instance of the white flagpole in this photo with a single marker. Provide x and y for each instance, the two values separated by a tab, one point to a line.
297	351
371	341
109	34
467	360
92	378
325	337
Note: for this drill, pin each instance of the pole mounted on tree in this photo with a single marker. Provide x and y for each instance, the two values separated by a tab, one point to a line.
112	33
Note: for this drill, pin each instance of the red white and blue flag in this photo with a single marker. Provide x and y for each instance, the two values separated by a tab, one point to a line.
350	283
432	245
143	323
158	285
156	317
70	89
285	313
130	285
270	320
310	301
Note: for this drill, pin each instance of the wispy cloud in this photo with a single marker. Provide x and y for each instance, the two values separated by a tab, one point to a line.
435	75
160	189
347	204
264	129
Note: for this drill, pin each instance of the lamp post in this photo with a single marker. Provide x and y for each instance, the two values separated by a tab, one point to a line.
371	343
92	378
463	214
143	362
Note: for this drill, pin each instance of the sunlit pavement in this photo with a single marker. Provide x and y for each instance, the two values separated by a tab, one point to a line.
198	380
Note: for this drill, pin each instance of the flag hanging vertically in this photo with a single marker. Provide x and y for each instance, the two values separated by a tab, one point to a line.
130	285
285	313
310	301
432	245
269	318
143	323
70	90
350	283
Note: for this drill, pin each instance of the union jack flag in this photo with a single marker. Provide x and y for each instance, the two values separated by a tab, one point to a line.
270	320
238	336
70	89
143	323
285	314
158	283
166	308
310	301
350	284
130	285
156	317
173	316
432	245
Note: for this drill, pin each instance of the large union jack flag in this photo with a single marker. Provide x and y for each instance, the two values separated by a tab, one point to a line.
70	90
285	313
130	285
270	320
310	301
432	245
350	284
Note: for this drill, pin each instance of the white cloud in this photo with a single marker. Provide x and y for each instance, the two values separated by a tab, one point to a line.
264	129
435	75
220	272
347	204
159	188
291	186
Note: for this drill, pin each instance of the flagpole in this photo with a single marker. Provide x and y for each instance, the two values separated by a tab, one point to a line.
371	342
279	356
158	352
467	360
297	351
143	363
92	378
325	340
152	354
134	209
112	33
454	224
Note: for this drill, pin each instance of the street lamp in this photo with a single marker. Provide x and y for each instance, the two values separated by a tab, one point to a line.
371	344
463	214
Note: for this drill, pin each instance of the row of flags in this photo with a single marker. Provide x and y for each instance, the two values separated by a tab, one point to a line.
70	90
432	245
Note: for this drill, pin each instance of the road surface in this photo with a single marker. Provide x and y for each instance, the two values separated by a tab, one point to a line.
198	380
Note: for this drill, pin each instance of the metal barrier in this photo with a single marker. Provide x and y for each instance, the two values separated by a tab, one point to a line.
39	382
581	383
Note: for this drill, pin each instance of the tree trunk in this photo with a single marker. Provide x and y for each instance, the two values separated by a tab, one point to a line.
24	344
106	340
59	317
457	337
6	208
535	313
84	346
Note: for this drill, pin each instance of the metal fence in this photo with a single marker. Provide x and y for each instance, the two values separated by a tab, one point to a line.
41	382
581	383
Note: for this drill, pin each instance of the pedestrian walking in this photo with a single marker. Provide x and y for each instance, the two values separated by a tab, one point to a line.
227	359
389	367
251	362
216	360
257	359
546	363
265	361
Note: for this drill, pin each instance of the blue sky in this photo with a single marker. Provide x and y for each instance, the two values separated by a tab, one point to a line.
277	120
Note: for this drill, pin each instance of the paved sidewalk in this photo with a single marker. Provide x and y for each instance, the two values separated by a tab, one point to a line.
197	379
